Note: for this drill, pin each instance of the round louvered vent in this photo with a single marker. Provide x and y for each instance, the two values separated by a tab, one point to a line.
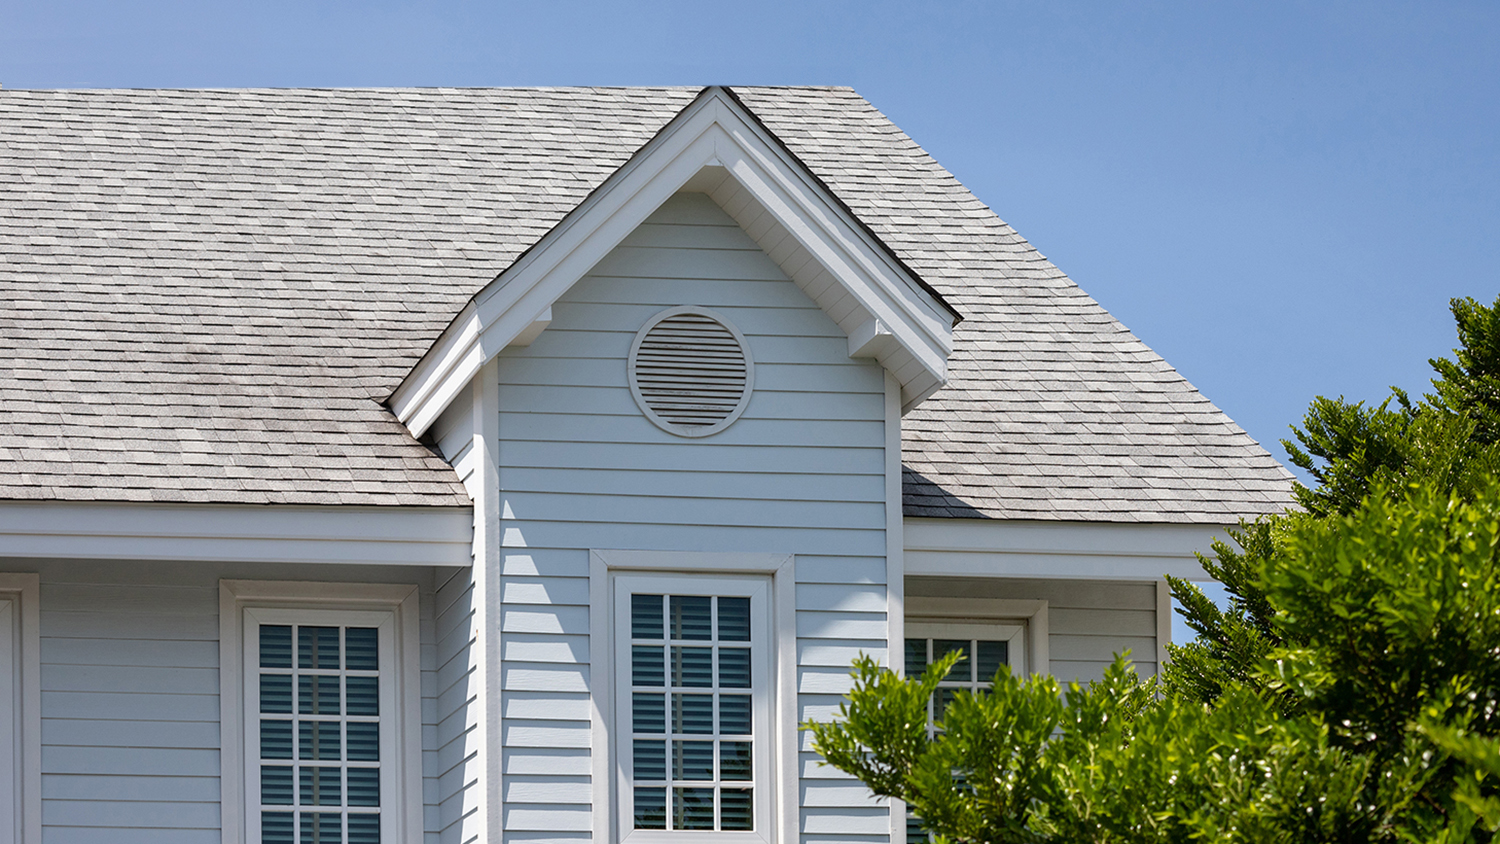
690	371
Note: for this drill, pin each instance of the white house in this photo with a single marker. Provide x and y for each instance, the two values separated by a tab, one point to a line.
524	465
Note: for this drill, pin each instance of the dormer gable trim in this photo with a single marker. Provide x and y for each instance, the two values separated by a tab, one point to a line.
886	311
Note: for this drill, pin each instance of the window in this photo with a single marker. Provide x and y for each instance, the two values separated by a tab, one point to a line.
326	719
693	697
985	647
20	710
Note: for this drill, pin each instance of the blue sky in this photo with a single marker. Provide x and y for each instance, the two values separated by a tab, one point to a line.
1280	198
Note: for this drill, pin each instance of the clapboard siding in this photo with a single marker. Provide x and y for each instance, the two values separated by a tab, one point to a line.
457	709
801	472
1088	620
130	694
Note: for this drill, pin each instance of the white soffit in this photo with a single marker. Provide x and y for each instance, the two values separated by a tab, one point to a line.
982	548
407	536
715	147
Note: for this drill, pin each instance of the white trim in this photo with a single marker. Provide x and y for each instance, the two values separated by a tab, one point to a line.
995	548
211	533
1163	621
21	592
785	813
989	611
713	131
400	603
895	564
640	398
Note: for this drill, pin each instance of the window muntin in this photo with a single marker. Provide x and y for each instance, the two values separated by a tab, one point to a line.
986	646
320	739
694	688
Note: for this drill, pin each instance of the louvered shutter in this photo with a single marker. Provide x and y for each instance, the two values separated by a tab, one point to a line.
690	371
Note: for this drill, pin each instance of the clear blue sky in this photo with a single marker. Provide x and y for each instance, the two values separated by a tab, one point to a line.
1280	198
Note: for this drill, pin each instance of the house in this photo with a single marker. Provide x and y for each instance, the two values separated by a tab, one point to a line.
524	465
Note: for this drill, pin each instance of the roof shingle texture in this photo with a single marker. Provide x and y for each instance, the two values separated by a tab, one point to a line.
209	294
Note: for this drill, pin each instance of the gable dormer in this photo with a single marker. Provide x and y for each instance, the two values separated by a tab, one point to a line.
716	147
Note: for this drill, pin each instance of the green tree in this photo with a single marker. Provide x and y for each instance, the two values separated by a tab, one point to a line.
1348	693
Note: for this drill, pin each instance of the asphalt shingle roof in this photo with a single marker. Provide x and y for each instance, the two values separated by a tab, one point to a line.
208	294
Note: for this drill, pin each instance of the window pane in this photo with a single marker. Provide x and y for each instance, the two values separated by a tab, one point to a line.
692	808
991	655
736	810
650	808
916	656
692	667
692	760
275	785
734	619
646	667
649	712
650	760
693	714
322	828
276	827
734	668
964	670
319	740
915	834
275	646
318	647
646	623
364	741
364	829
276	694
692	617
364	786
734	715
364	695
940	701
320	787
734	760
362	649
318	694
275	739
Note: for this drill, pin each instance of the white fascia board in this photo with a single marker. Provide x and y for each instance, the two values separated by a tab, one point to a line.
711	131
416	536
1073	550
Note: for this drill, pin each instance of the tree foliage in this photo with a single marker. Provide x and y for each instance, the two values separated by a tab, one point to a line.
1350	691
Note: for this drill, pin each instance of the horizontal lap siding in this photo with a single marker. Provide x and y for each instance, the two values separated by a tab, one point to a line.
130	694
1089	620
801	472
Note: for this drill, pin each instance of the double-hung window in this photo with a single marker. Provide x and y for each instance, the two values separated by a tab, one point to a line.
693	696
984	647
325	716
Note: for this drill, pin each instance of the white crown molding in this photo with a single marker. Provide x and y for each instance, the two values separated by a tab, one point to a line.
426	536
713	131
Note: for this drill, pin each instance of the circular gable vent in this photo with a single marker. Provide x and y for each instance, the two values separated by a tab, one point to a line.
690	371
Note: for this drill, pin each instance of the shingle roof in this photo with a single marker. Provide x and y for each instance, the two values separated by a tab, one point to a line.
1053	410
208	294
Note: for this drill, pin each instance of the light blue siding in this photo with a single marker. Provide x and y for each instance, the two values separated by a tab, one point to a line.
130	695
801	472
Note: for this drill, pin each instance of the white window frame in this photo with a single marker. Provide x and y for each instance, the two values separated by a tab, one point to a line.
21	690
392	608
695	573
1030	644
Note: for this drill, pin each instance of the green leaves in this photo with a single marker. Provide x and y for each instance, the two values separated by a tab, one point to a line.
1350	692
